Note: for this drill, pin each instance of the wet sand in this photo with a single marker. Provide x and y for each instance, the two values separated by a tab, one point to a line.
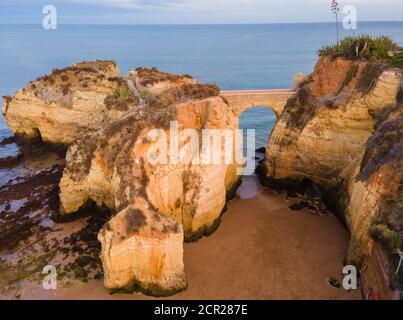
262	250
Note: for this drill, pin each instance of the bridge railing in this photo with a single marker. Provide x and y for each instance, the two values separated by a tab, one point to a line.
256	92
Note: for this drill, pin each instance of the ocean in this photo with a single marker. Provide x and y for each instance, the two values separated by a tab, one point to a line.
265	56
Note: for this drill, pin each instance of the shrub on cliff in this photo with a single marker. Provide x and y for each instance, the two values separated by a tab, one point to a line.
369	77
300	108
149	76
122	99
388	237
397	60
365	47
181	93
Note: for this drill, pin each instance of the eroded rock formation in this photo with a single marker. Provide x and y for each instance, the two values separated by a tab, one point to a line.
111	167
142	250
68	103
106	119
375	205
343	131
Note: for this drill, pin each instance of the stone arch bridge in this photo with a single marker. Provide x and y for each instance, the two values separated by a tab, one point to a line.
243	100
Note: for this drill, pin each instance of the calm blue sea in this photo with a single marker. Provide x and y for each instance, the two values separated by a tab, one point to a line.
233	56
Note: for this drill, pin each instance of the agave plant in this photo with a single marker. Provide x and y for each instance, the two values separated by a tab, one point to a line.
362	47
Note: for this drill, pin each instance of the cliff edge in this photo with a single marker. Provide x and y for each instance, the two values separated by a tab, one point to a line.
342	131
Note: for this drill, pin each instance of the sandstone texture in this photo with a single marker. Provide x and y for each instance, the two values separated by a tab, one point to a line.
342	130
143	251
68	103
131	148
375	206
111	167
117	127
106	120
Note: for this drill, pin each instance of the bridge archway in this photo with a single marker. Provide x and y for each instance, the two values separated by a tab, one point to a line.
242	100
262	108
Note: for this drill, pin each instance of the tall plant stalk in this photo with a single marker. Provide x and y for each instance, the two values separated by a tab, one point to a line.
335	10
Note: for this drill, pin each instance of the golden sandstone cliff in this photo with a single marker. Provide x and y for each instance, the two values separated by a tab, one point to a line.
163	203
342	130
66	104
116	126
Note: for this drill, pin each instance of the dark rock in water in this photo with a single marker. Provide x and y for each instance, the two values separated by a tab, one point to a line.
38	192
10	153
11	161
260	172
7	140
299	206
260	155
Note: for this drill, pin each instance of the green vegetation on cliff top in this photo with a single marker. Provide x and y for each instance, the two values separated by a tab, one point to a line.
365	47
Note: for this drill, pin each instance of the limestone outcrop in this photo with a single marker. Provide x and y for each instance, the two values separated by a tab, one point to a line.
375	206
142	250
119	129
326	134
172	199
69	103
111	167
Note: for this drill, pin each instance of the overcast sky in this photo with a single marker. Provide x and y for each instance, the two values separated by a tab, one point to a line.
194	11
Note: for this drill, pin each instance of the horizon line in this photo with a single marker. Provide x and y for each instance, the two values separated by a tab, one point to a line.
196	24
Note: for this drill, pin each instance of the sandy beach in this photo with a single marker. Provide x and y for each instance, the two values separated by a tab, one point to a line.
262	250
